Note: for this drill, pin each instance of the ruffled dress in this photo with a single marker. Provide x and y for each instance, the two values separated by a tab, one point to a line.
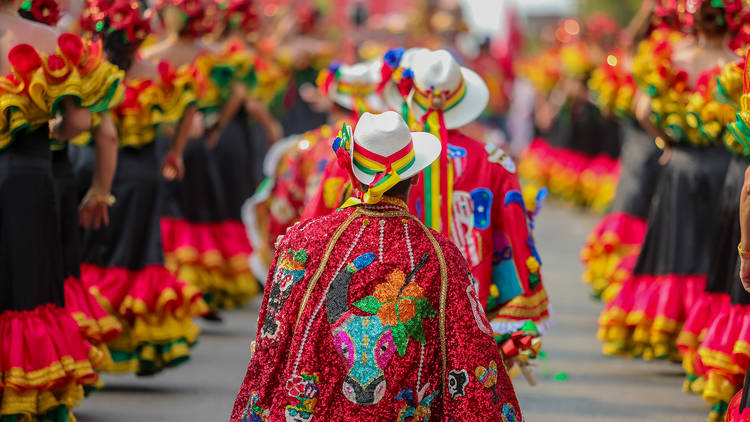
715	339
613	245
203	244
669	276
577	159
123	262
44	360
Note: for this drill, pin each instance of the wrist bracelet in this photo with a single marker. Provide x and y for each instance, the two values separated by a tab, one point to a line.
107	199
743	253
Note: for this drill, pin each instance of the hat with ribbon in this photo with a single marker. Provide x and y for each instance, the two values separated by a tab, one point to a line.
353	87
440	84
382	152
399	82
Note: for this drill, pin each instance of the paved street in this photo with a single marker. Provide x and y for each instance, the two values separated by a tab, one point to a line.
595	388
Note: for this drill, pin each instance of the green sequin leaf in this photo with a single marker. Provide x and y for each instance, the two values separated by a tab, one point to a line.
400	337
424	308
368	304
415	330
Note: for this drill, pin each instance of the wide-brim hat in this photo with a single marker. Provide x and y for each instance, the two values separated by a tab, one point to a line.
438	71
386	135
391	95
358	82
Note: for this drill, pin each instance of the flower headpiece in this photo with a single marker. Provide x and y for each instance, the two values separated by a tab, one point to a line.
601	29
42	11
198	21
575	60
732	11
740	129
104	17
241	15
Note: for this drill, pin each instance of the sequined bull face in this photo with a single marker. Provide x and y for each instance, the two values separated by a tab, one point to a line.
363	342
366	347
290	270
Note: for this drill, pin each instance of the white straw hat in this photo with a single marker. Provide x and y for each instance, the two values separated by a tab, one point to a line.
358	80
465	95
387	136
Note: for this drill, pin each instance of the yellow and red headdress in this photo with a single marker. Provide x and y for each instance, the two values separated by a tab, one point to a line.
42	11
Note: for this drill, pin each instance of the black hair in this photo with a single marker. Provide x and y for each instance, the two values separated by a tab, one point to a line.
119	50
400	189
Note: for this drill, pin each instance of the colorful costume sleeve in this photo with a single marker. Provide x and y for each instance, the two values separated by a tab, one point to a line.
181	89
138	117
31	95
516	263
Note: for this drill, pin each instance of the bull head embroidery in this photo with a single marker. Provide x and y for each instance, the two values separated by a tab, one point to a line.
365	343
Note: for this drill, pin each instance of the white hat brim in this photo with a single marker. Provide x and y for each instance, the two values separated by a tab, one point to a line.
426	150
373	101
468	109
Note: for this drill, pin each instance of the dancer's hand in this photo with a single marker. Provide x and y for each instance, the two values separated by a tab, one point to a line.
745	273
173	168
94	210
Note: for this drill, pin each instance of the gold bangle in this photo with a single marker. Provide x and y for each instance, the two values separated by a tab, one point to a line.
743	253
107	199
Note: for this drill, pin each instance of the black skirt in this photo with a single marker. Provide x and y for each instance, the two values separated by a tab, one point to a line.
684	213
723	275
31	263
67	195
237	161
133	238
199	197
639	171
582	128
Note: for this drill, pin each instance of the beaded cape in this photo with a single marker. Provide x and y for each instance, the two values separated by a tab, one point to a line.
369	315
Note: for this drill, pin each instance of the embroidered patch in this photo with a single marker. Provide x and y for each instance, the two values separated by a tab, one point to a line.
364	343
476	308
487	377
416	408
253	412
289	270
458	155
400	304
498	156
509	413
304	388
462	231
457	382
482	199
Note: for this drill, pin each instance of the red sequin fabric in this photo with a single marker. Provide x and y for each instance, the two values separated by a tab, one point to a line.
367	315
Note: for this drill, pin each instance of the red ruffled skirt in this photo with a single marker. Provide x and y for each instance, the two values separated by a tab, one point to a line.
725	352
590	181
155	310
44	364
646	316
610	253
214	257
95	323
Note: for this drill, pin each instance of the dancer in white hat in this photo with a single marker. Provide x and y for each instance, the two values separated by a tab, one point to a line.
366	309
486	216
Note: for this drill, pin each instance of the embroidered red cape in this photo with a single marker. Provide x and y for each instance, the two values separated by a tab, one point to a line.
369	315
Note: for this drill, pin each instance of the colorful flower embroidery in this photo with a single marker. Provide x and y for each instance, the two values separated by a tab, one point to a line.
533	265
253	412
487	377
289	270
418	410
400	304
304	388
